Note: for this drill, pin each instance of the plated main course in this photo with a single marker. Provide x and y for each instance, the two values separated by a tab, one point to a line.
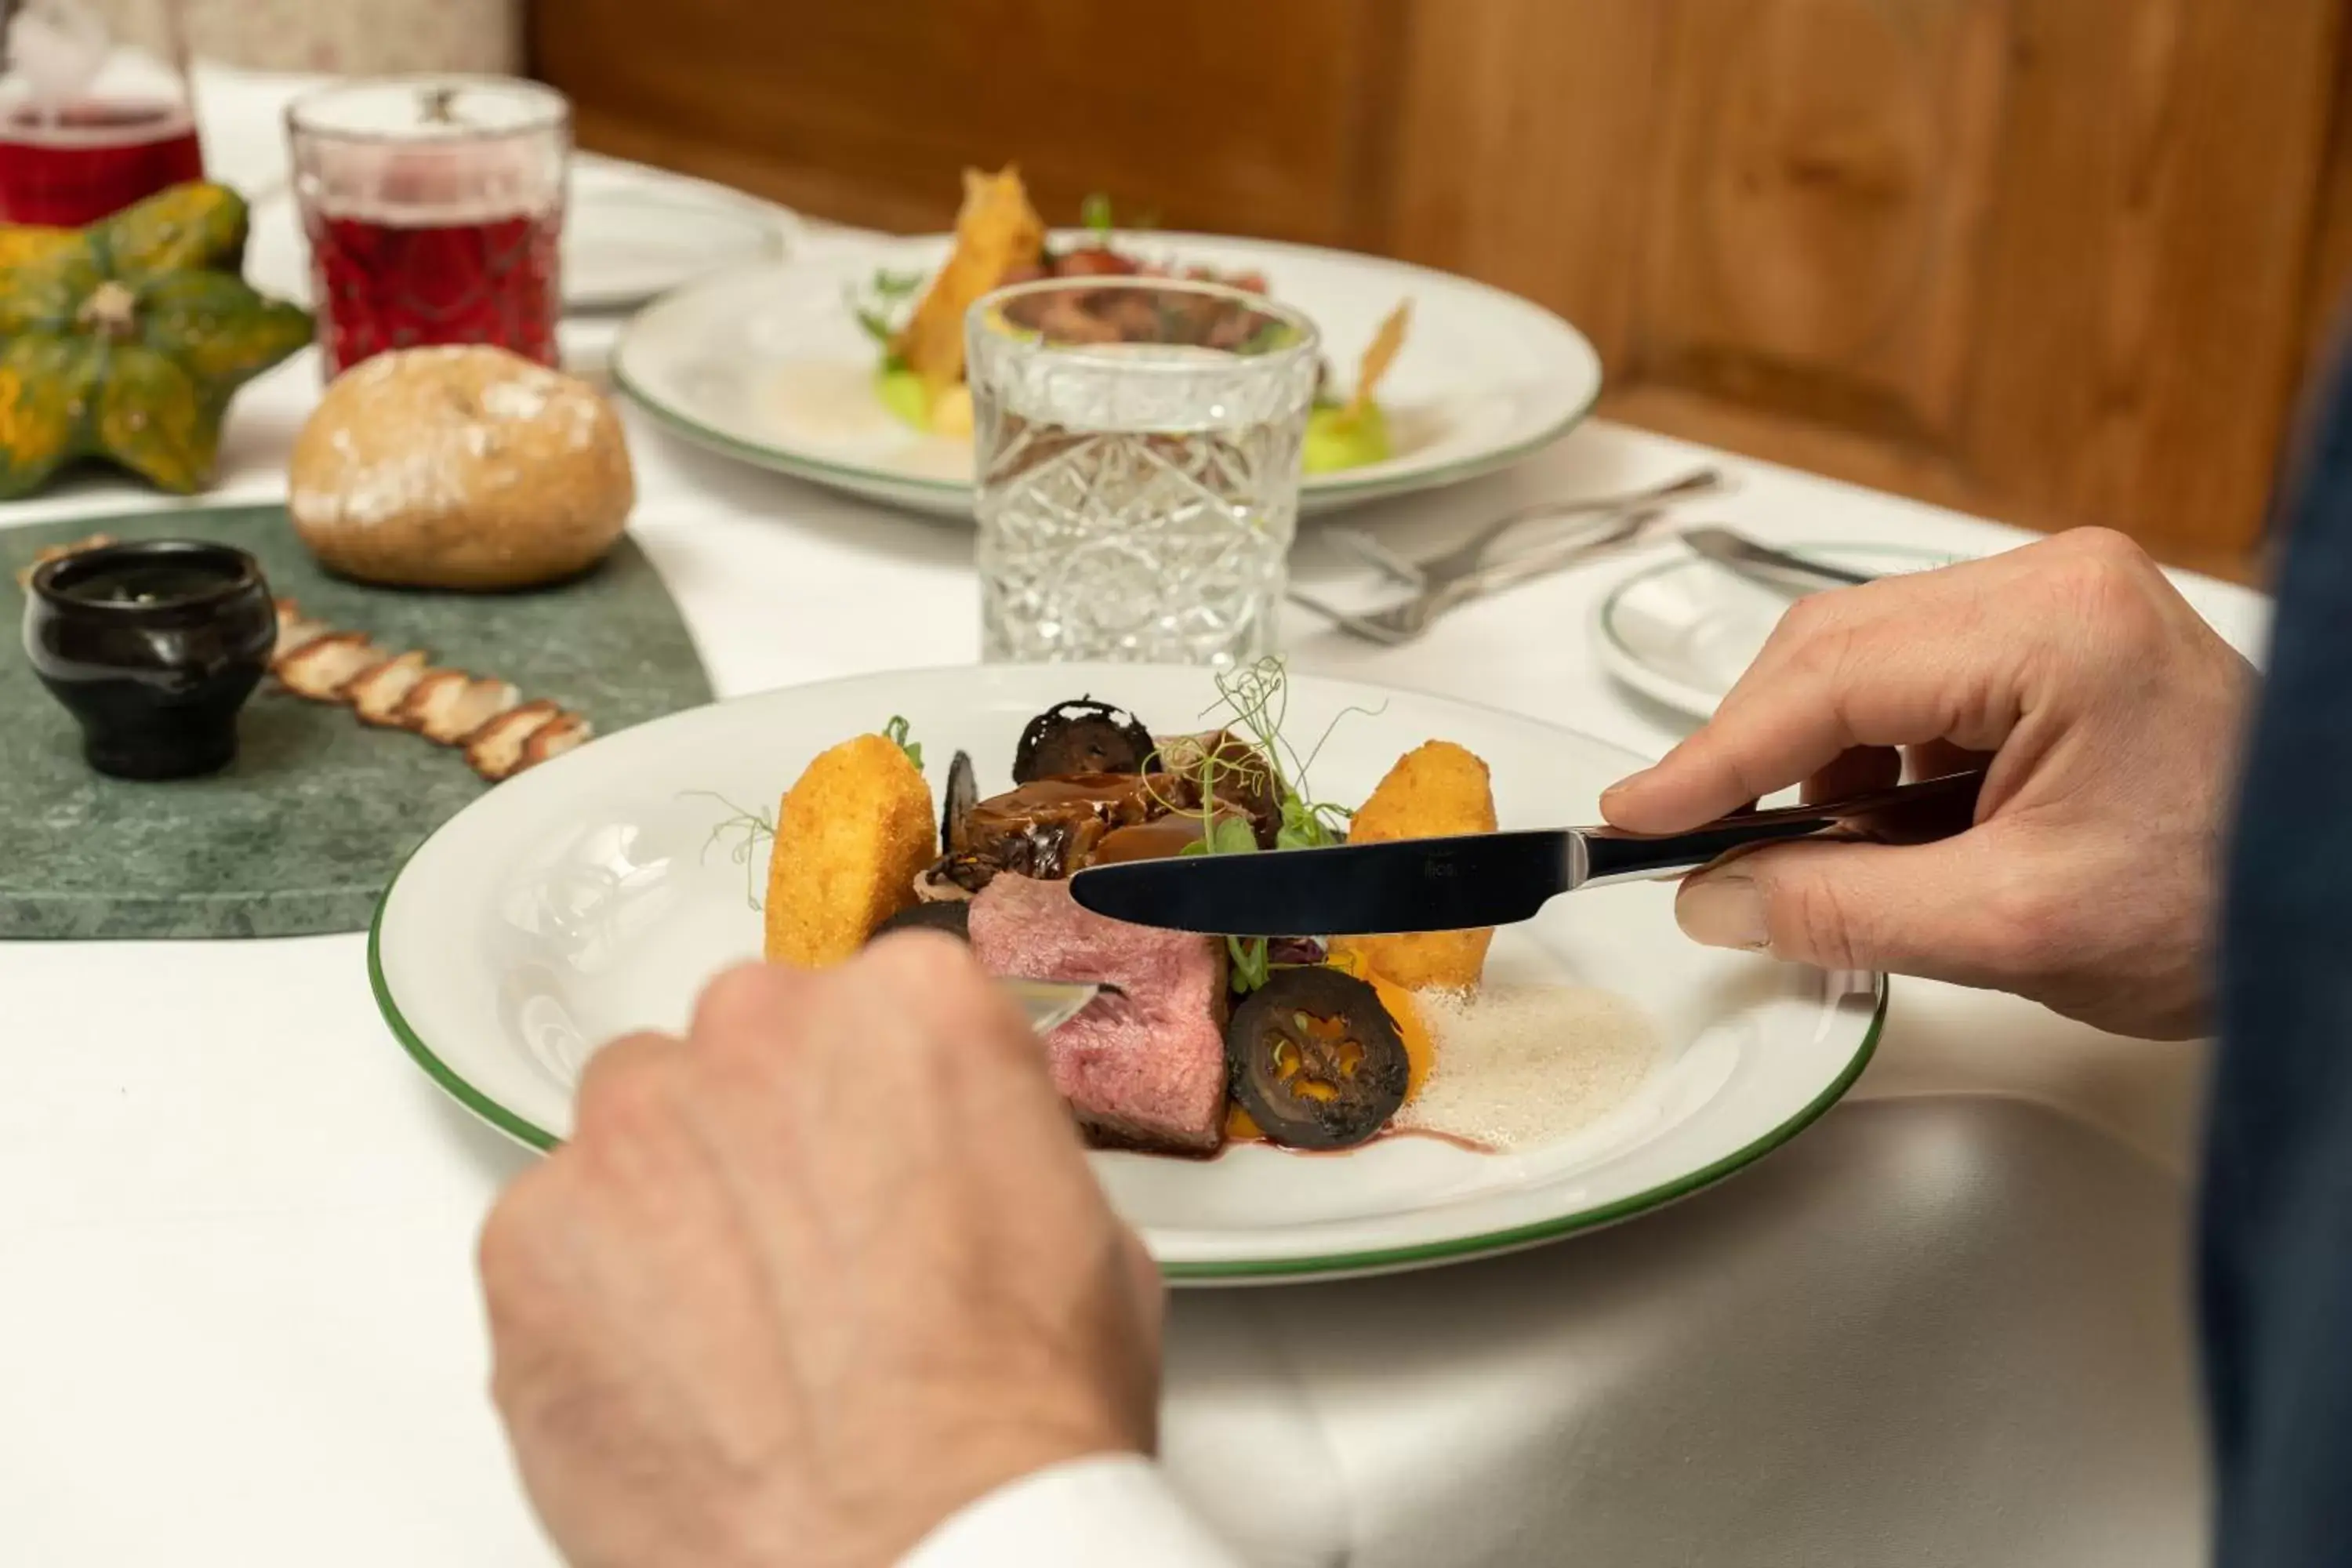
1196	1040
918	324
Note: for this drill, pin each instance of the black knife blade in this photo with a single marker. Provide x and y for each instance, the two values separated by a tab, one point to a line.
1475	880
1412	884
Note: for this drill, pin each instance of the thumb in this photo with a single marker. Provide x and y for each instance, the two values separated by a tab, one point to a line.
1913	908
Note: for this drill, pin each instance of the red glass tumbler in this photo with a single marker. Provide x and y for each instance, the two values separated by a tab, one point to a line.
434	207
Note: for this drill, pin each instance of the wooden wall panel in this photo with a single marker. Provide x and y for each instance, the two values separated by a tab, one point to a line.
1978	250
1823	163
2147	259
1523	142
2051	260
1206	114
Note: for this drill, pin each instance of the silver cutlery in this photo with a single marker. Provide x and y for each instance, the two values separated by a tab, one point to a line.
1470	555
1760	563
1480	880
1050	1003
1401	623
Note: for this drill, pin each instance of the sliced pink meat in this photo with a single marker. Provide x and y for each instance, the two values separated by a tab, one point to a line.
1147	1068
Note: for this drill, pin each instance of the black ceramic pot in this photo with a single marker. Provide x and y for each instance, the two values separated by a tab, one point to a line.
153	646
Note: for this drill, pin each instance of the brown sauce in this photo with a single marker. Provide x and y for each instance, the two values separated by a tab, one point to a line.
1048	828
1113	797
1467	1146
1156	839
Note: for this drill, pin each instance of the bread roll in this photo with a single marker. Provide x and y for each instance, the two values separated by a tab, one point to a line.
460	468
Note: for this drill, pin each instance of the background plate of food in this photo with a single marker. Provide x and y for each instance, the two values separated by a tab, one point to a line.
845	366
1440	1097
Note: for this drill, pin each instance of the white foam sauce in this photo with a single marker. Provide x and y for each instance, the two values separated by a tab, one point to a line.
831	405
1513	1066
829	400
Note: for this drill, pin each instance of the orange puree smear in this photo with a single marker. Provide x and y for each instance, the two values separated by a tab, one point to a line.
1242	1128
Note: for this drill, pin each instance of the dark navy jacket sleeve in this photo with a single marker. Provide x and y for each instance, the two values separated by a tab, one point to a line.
2275	1226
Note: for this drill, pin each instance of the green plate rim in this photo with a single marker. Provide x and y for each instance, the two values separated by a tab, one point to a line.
825	470
519	1128
525	1132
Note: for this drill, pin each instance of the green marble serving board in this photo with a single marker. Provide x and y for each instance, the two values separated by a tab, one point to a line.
301	833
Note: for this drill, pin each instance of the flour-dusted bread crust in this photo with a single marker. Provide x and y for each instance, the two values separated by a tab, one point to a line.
460	468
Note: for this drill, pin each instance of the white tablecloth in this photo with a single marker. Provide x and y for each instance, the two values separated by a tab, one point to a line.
238	1326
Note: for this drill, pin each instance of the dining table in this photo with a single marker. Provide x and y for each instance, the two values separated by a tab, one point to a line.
1951	1323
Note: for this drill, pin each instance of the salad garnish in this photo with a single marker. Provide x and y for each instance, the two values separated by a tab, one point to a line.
1255	701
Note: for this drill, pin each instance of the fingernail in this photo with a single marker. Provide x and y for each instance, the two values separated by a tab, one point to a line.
1722	909
1620	787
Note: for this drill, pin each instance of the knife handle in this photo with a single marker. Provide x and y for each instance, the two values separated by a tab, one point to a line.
1907	814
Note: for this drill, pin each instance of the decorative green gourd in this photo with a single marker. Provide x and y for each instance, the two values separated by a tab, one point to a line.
127	344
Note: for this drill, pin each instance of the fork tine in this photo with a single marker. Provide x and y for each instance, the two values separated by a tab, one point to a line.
1469	556
1365	547
1364	627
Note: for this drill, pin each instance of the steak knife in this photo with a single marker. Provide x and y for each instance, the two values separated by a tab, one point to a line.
1774	568
1480	878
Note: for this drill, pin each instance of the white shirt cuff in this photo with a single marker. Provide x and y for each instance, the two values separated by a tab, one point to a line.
1112	1508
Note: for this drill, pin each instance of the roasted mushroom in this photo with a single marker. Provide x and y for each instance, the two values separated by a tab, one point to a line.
953	916
1047	828
953	878
1234	771
1081	737
962	794
1315	1059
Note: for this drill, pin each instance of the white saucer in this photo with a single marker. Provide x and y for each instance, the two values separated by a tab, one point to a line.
1683	629
629	236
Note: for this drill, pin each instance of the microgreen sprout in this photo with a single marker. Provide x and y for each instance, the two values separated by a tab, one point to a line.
1256	702
897	731
757	828
875	306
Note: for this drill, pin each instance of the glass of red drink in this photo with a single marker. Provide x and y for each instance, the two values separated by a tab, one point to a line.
86	128
435	210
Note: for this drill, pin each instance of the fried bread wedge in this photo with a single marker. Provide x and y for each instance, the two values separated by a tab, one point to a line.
996	231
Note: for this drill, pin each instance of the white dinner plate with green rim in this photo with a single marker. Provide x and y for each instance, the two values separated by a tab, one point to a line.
583	899
767	363
1682	630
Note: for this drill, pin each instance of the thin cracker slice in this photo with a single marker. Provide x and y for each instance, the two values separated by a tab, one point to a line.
496	750
321	667
485	697
447	705
435	692
295	629
500	734
1379	355
376	692
562	734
